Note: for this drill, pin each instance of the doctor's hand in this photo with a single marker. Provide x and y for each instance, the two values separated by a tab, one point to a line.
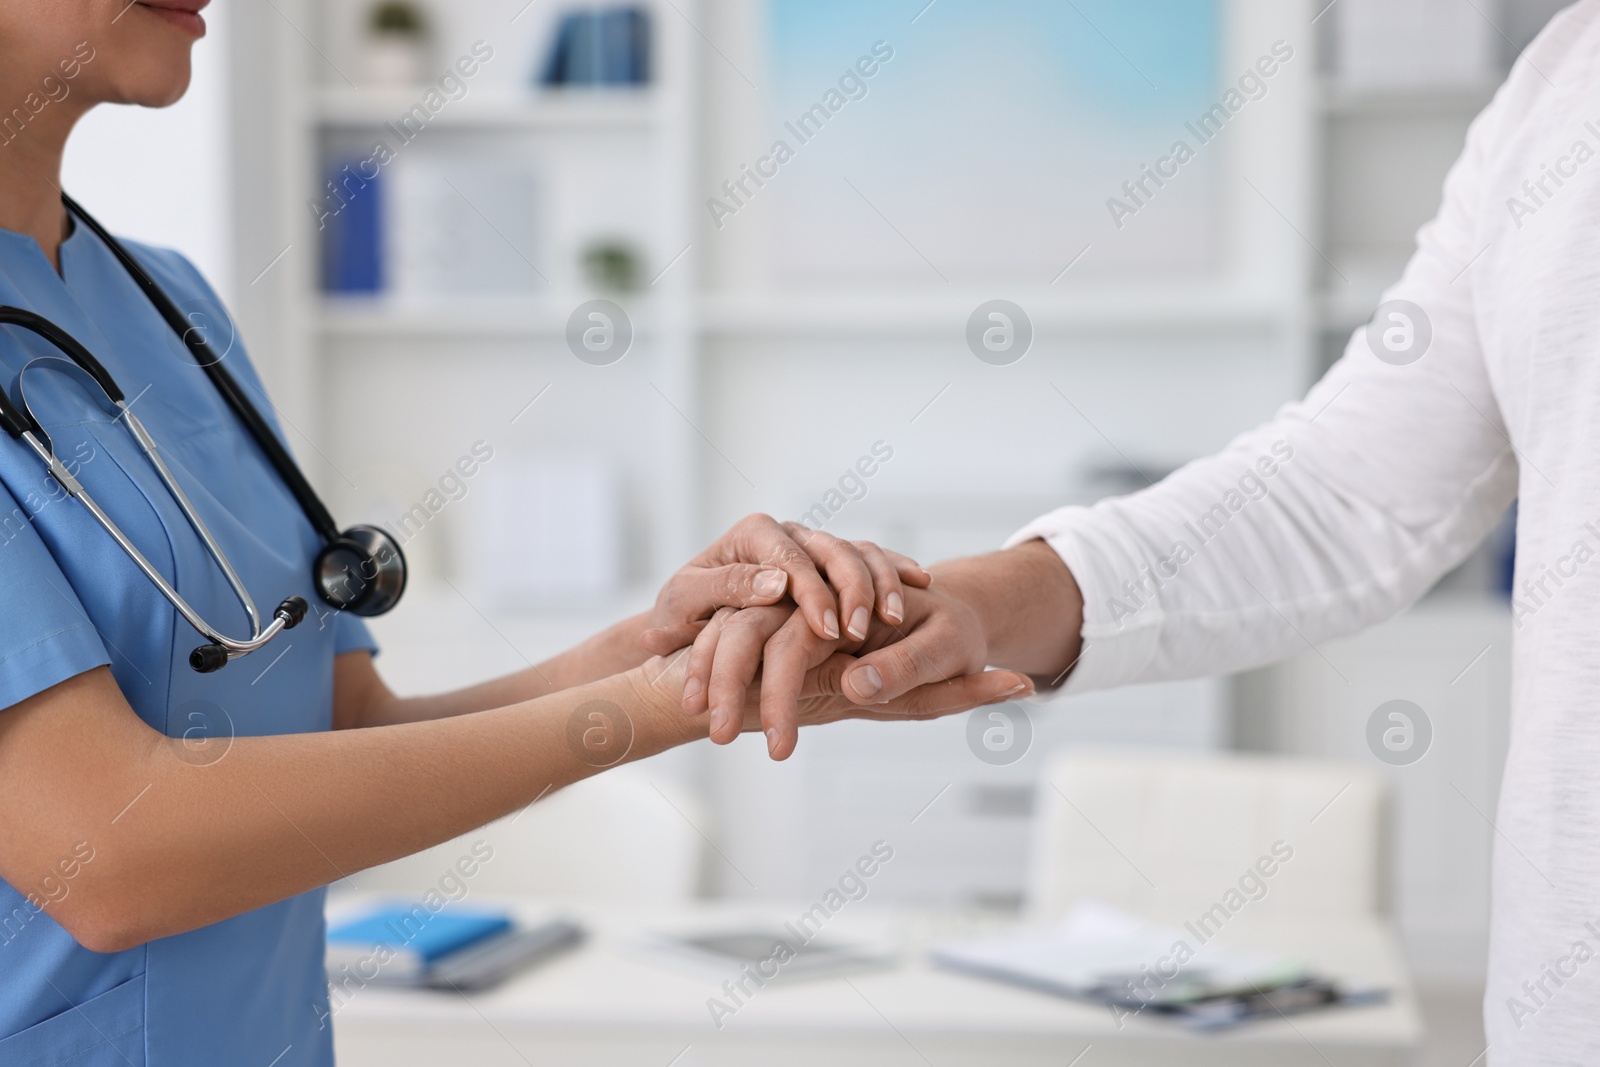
763	668
760	561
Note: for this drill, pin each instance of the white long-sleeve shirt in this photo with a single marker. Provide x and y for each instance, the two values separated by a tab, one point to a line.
1349	504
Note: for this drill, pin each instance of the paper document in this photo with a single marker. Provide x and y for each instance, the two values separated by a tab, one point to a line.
1103	954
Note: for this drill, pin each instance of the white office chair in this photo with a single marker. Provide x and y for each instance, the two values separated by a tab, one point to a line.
619	838
1168	833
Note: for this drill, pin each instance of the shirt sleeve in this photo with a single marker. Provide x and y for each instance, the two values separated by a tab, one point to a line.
1339	512
45	635
350	634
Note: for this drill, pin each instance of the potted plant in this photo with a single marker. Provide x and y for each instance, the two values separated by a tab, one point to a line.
396	43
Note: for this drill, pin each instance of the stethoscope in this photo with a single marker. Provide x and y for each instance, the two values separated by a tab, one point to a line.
360	570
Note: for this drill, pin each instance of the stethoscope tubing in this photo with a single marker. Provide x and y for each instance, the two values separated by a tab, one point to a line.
148	444
363	546
211	363
234	646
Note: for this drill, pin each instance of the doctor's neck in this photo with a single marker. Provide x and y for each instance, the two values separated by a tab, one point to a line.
30	172
57	61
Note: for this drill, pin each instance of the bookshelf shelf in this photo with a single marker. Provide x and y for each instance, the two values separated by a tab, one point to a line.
581	110
476	318
1116	311
1341	101
788	316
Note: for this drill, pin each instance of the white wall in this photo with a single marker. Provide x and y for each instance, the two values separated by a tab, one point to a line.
162	176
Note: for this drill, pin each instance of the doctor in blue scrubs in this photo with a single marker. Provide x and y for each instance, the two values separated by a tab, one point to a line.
168	817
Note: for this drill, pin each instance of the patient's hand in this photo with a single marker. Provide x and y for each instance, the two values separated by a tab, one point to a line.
761	560
801	675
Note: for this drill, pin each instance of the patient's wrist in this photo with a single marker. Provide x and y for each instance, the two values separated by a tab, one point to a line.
1027	605
964	581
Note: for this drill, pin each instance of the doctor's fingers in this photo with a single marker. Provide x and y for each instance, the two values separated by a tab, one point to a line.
694	593
825	693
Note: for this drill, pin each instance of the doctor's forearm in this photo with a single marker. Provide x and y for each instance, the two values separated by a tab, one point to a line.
613	650
218	830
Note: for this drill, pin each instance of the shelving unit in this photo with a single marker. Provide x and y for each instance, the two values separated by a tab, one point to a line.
1385	153
609	162
640	162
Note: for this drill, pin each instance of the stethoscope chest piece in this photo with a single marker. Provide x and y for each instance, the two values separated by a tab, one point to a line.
362	572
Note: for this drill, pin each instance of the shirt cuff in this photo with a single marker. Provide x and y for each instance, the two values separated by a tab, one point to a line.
1118	645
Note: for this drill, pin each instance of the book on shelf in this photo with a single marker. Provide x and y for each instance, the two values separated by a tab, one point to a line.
431	225
599	47
462	226
350	215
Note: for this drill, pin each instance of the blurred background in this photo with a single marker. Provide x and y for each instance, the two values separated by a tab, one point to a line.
792	209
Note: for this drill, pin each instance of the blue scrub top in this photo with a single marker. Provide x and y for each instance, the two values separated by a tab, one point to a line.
251	989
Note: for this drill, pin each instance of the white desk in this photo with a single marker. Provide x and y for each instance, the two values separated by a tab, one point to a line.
610	1004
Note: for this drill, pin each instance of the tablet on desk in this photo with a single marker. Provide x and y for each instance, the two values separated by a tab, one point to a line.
771	952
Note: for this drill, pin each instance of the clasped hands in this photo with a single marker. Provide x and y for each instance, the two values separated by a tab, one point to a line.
751	628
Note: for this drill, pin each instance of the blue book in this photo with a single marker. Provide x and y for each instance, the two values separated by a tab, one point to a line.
555	66
575	56
642	52
583	58
403	942
625	47
600	47
352	231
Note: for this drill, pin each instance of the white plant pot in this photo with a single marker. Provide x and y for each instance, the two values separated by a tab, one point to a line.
395	61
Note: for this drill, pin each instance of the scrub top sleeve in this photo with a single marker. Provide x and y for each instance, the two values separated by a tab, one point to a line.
350	634
45	635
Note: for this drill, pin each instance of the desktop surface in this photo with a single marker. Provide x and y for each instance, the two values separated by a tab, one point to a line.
619	999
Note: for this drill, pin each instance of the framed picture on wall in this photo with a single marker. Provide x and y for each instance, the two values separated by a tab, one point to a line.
993	140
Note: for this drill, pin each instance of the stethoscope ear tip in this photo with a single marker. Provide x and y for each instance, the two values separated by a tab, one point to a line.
213	657
292	611
208	658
